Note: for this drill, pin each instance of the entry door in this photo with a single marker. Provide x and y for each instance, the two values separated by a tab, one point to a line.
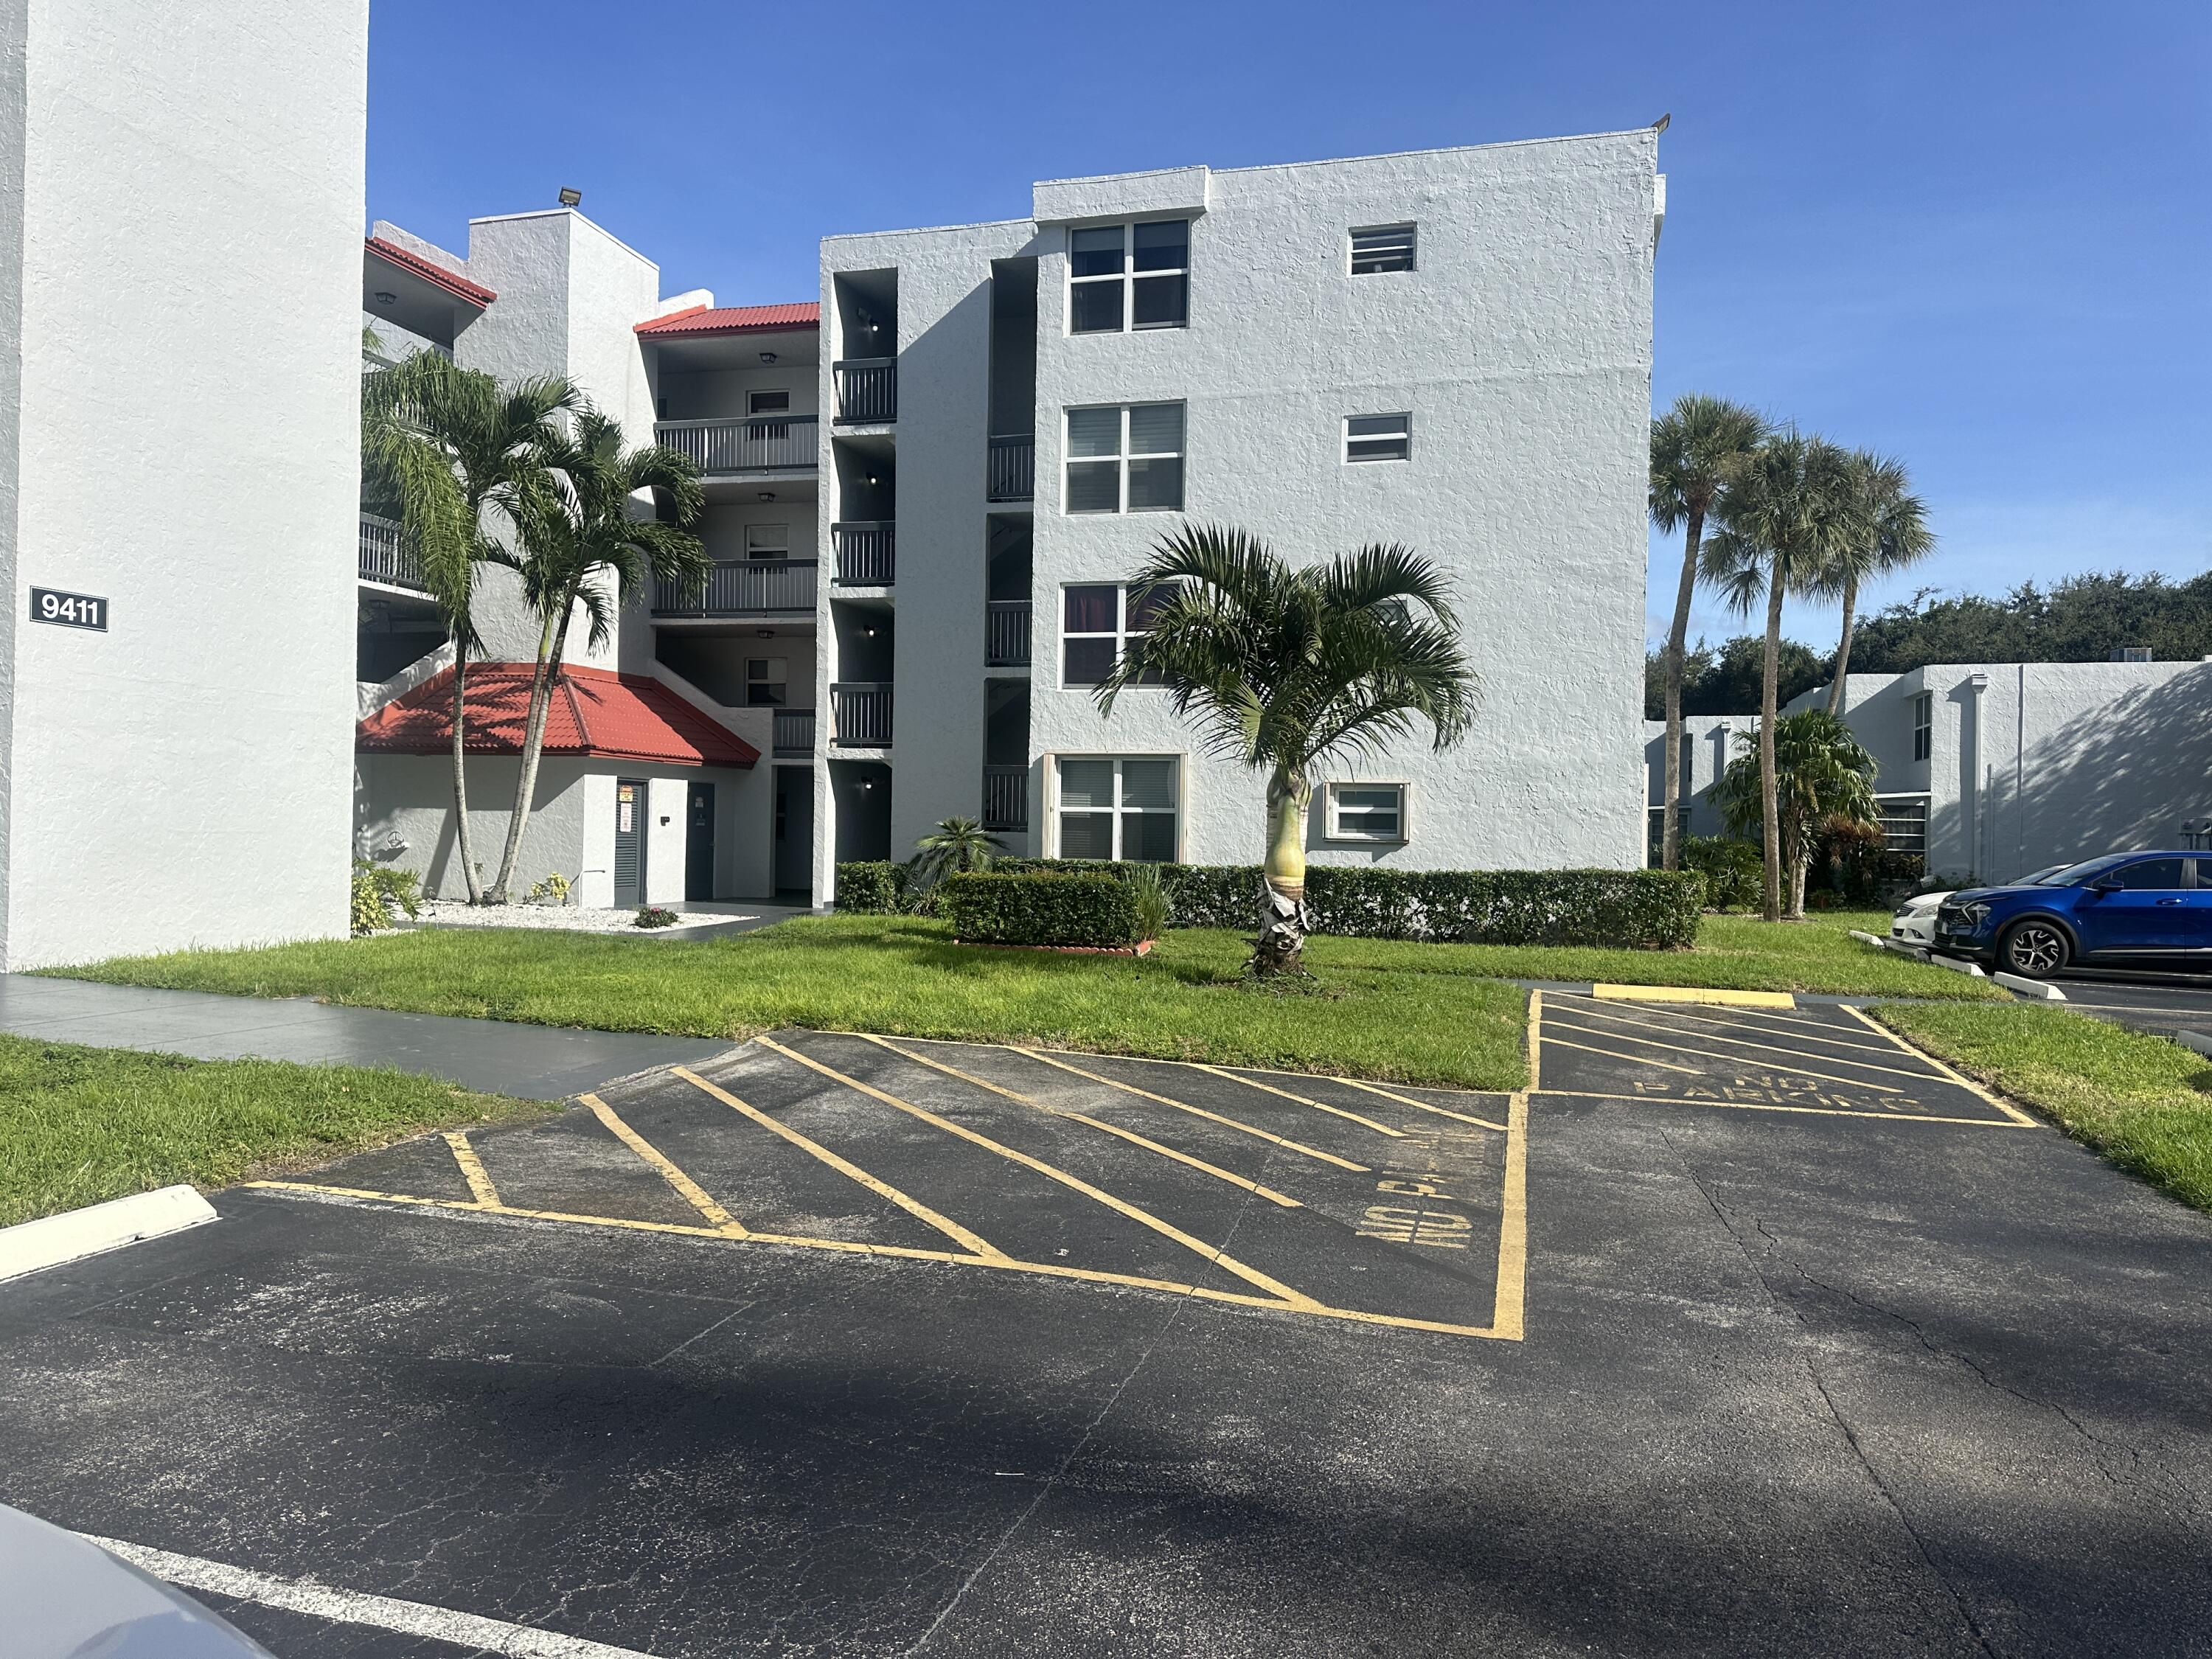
629	842
699	845
794	829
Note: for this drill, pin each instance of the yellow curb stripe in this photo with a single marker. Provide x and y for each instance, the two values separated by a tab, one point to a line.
1965	1082
883	1189
1419	1105
686	1189
1805	1111
1508	1306
1318	1105
472	1168
1129	1135
1166	1229
1733	1060
1694	993
1198	1111
1667	1039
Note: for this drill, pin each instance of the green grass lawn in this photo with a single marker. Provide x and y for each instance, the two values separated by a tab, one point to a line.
78	1125
2142	1102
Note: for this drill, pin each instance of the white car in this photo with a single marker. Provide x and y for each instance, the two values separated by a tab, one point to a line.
1915	920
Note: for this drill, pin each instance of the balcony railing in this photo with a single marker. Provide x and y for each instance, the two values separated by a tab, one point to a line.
785	444
742	587
1006	633
867	388
867	555
1013	469
383	559
794	733
863	715
1005	798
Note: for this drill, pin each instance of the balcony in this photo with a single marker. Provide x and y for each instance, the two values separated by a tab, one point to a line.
867	389
382	558
784	444
794	734
862	715
741	587
866	553
1013	469
1005	798
1007	634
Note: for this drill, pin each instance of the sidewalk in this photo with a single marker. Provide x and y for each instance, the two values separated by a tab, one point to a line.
536	1062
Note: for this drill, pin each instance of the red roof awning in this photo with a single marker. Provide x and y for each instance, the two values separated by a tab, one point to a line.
414	264
595	714
734	319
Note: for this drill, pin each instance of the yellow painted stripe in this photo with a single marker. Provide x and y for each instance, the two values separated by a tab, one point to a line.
1004	1263
1318	1105
1419	1105
1804	1111
1558	1041
1536	1039
1965	1082
1166	1229
1200	1111
1508	1307
686	1189
1673	1039
1800	1027
913	1206
1694	993
472	1168
1129	1135
1680	1047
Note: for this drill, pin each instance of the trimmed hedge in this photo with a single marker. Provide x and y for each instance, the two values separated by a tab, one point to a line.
873	884
1040	908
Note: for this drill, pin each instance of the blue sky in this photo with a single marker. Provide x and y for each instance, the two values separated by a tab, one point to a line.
1973	235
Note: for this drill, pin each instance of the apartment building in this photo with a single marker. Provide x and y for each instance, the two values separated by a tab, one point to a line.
927	490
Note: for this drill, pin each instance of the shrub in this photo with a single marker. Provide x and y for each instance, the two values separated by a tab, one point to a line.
378	890
554	891
1198	895
1154	908
1734	870
872	884
652	916
1043	907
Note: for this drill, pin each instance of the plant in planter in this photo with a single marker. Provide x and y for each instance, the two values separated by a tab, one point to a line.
653	916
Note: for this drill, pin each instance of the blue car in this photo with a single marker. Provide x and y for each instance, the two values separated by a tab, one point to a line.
2142	910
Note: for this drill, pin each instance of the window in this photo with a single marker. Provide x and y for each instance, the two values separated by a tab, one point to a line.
1127	460
767	541
1924	725
2203	872
766	680
1097	622
1112	807
2151	873
1382	247
1128	277
1904	824
768	402
1377	437
1367	812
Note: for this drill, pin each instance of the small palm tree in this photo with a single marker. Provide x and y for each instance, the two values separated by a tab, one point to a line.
1895	535
582	544
1286	669
1790	509
1821	774
460	458
1697	447
955	847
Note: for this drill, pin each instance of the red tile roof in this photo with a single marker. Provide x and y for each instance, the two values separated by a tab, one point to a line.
595	714
735	319
415	265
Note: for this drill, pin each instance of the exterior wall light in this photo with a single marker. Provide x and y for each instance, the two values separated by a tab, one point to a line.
384	298
768	356
768	495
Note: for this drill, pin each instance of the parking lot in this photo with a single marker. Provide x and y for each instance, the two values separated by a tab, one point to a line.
2161	1005
1749	1327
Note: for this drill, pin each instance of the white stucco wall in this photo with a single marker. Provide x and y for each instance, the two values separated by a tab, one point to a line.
188	179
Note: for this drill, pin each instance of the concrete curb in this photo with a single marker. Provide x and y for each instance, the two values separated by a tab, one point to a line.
51	1241
1972	970
1915	952
1875	940
2196	1041
2029	988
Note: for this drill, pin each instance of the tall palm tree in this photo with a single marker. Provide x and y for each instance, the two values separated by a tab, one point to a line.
460	458
583	544
1286	669
1696	448
1896	535
1821	773
1789	510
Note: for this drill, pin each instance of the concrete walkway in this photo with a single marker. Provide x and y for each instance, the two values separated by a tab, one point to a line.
537	1063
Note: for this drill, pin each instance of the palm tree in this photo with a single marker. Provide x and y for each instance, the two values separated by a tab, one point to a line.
1696	448
1791	507
1821	774
955	846
1896	535
1284	669
453	451
581	544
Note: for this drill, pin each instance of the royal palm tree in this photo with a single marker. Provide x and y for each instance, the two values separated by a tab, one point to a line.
1696	448
1821	773
583	544
1895	535
461	459
1284	669
1790	508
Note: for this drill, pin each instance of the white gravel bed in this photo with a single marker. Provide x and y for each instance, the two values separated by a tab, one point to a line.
568	918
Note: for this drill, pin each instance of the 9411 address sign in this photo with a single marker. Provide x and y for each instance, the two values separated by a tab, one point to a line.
50	605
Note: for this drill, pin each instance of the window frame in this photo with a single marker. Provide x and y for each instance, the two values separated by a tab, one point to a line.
1405	432
1882	806
1120	634
1121	458
1924	725
783	685
1057	810
751	552
1128	276
753	414
1333	828
1352	233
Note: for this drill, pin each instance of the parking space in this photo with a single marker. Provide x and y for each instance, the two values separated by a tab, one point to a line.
2160	1004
